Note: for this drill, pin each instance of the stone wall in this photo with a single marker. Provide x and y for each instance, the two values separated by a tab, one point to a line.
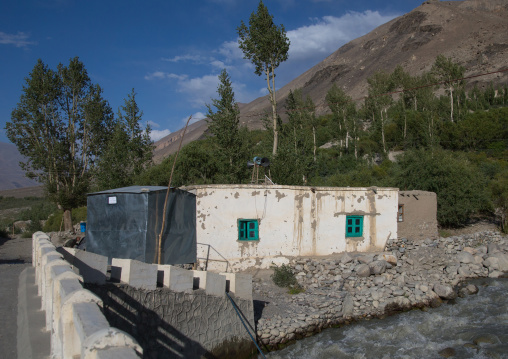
170	324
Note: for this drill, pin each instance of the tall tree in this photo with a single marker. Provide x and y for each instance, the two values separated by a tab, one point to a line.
450	73
61	125
224	122
128	151
344	115
379	100
266	46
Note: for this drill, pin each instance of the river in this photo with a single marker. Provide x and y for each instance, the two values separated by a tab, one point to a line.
473	327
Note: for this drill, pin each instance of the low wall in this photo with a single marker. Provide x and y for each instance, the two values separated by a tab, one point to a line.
169	311
73	314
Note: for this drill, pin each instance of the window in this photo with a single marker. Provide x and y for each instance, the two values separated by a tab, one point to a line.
354	226
400	213
248	230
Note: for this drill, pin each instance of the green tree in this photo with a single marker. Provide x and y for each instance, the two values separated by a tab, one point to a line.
61	125
266	46
459	186
450	73
224	122
344	116
379	101
129	150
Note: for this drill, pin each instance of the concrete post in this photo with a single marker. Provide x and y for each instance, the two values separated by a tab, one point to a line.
212	283
174	278
135	273
240	284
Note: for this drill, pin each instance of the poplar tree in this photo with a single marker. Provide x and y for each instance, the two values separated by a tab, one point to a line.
61	126
266	46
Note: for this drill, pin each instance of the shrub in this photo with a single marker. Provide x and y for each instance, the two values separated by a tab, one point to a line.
459	186
55	219
283	276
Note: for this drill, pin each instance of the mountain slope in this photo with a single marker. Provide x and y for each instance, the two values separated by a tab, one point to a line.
11	175
471	32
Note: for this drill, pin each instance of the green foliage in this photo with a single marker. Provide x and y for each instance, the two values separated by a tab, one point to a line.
283	276
224	125
459	187
54	222
129	150
266	46
61	125
12	202
37	213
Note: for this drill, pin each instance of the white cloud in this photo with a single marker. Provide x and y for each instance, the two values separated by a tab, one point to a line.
160	75
195	118
19	40
327	34
154	124
201	89
156	135
231	51
187	57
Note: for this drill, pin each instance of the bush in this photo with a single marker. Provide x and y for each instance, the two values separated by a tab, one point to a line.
459	186
283	276
54	221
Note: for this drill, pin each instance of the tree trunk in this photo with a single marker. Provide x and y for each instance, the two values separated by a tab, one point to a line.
451	103
67	216
314	136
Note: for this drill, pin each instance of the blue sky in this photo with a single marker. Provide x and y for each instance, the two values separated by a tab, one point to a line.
171	51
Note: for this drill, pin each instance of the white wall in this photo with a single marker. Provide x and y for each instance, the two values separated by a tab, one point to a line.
293	221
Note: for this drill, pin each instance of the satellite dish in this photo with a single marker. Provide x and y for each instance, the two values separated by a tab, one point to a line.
265	162
250	164
257	160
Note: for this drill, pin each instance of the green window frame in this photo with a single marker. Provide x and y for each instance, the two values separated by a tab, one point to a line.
354	226
248	230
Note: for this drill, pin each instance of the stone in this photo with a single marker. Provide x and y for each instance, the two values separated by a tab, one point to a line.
366	258
445	291
377	267
492	248
447	352
362	270
465	257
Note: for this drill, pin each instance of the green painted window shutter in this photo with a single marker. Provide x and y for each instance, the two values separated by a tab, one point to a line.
248	230
354	226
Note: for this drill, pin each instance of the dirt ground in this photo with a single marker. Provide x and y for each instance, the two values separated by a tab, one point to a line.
15	255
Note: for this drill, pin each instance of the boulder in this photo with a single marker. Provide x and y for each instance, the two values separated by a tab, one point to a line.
346	258
445	291
502	260
378	267
465	257
388	257
492	248
366	258
362	270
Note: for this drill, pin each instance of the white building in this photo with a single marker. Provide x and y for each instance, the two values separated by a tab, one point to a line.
242	226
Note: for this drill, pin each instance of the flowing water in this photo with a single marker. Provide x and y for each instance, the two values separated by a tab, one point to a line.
473	327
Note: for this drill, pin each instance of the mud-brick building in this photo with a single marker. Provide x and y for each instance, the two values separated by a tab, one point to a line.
417	215
242	226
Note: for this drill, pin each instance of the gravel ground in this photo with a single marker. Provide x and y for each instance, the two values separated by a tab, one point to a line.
15	255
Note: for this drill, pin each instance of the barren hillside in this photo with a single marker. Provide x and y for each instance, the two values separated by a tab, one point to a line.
472	32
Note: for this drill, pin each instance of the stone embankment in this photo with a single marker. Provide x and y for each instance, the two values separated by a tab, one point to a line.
355	286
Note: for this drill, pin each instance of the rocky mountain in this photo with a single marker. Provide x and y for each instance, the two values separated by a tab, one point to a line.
11	175
471	32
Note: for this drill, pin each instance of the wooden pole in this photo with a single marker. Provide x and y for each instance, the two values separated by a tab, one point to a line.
159	245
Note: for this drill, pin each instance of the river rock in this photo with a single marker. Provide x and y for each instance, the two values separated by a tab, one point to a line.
366	258
465	257
378	267
502	261
492	248
346	258
362	270
447	352
389	257
445	291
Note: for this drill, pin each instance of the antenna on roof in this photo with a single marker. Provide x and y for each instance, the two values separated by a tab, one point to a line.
256	164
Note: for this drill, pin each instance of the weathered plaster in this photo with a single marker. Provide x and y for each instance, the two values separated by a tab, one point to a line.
293	221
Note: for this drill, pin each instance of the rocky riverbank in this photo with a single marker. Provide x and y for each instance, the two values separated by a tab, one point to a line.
352	286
